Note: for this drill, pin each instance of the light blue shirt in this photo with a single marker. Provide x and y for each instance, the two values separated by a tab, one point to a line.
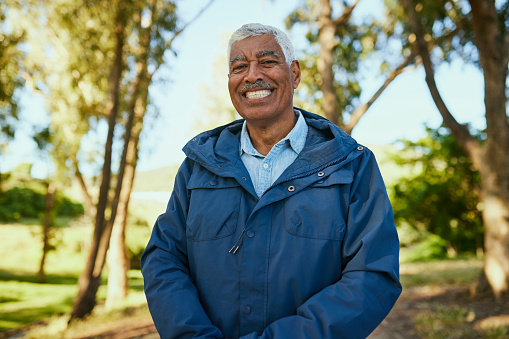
264	170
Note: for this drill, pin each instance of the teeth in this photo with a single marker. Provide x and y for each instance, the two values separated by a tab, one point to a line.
258	94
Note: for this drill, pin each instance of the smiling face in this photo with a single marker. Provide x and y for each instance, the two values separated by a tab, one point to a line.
260	82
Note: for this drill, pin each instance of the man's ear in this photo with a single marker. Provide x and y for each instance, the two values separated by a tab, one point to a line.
295	71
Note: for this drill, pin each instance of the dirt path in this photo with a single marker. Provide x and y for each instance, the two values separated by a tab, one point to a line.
414	302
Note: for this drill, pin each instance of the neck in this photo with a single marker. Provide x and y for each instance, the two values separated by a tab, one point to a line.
265	137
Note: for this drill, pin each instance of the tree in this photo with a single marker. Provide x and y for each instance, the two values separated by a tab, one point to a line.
155	36
484	25
10	76
47	224
90	279
95	64
332	64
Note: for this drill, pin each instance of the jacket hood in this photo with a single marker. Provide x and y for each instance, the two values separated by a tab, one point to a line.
218	149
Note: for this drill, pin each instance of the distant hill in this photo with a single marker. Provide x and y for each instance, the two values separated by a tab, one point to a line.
156	180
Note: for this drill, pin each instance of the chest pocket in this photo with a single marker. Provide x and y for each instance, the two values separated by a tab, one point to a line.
319	211
213	208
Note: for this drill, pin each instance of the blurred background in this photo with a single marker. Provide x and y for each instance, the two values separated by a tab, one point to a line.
97	99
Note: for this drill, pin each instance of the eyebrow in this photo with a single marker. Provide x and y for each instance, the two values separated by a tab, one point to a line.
237	58
267	53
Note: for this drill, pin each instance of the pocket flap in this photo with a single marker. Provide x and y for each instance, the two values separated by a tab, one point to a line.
211	181
335	178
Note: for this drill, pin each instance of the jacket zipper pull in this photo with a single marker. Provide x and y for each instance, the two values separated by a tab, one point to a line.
237	244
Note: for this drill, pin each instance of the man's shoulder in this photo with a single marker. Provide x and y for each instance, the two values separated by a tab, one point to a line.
233	127
216	147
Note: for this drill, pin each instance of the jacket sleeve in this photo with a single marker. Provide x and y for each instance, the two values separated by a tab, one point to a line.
171	295
369	286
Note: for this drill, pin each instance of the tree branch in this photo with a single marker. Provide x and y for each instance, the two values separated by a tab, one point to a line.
177	33
505	49
345	16
361	110
91	209
471	145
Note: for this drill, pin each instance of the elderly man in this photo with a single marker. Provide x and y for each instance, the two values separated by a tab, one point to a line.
279	225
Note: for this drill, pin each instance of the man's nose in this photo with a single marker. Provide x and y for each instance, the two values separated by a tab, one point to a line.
253	73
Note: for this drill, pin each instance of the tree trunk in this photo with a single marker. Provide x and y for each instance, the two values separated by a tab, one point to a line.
90	278
117	259
495	169
326	38
492	159
118	262
359	112
46	226
90	208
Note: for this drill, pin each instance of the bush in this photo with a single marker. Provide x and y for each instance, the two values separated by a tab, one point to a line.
444	197
65	207
22	202
432	248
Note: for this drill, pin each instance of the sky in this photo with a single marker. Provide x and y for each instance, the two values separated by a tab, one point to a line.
401	112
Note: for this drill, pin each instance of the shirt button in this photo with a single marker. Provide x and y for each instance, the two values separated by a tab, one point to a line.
246	309
291	188
360	148
250	234
265	166
213	183
321	174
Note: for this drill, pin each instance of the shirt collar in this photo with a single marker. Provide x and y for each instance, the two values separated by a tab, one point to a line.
296	137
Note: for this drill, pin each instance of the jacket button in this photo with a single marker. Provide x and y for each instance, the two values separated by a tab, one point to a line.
246	309
250	234
244	178
360	148
213	183
321	174
291	188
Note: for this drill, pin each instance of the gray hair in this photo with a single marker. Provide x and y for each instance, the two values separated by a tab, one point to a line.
255	29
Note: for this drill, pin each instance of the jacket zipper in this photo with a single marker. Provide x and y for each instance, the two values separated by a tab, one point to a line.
240	240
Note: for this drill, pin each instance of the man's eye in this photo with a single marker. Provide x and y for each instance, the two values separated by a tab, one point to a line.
238	68
268	62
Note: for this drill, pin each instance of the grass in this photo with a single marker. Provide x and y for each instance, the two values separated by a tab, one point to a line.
457	272
443	322
23	301
441	307
45	307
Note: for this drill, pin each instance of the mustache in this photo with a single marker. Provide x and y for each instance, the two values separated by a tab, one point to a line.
256	84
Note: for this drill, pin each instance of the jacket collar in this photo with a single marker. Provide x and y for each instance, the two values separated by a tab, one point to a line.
218	149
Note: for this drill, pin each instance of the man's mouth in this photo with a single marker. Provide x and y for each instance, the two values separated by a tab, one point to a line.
258	94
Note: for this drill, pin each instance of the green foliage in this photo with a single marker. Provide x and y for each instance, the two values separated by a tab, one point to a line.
23	202
446	24
10	76
444	197
431	248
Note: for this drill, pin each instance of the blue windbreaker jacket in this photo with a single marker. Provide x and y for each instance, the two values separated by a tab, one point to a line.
316	256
